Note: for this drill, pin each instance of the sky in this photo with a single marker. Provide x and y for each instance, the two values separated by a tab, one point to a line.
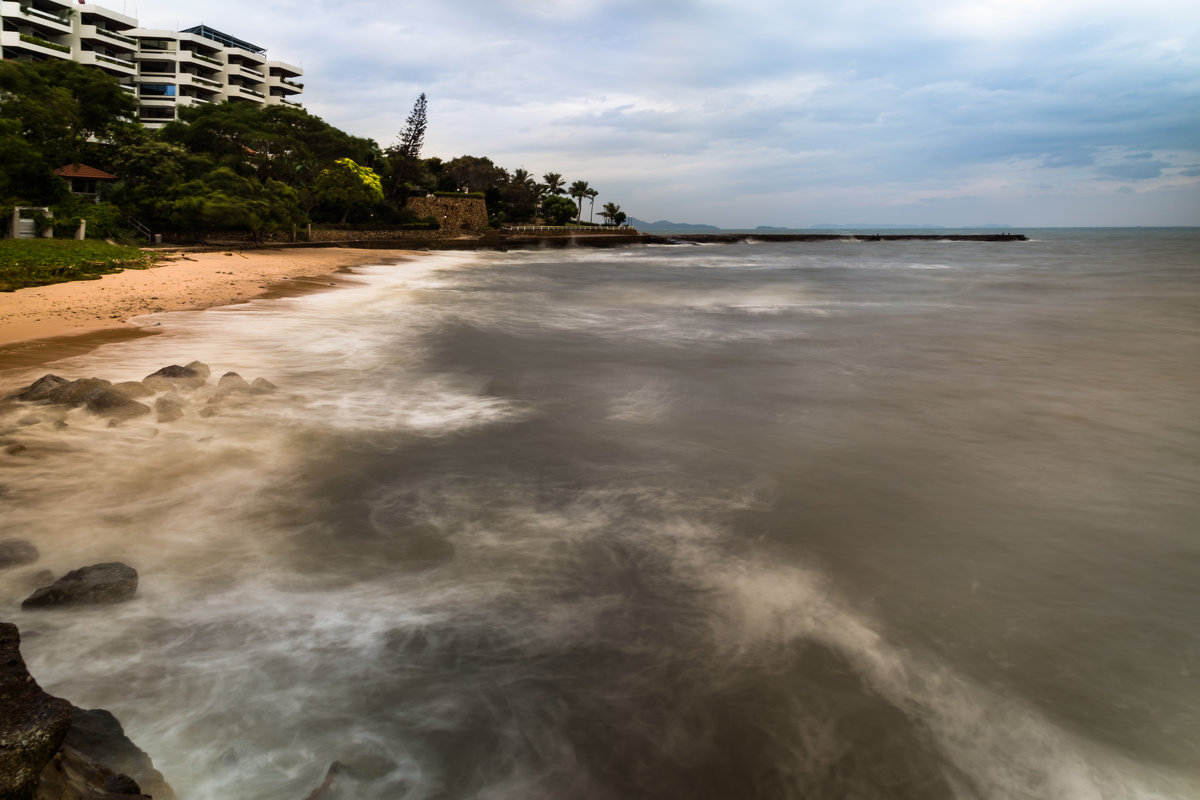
772	112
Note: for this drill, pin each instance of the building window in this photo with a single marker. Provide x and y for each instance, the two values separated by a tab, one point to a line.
158	90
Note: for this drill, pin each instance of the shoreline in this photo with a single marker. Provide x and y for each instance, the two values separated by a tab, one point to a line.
41	324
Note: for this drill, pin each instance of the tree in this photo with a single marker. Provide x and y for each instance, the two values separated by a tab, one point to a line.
579	190
591	195
553	183
348	186
224	199
609	213
51	112
413	135
519	195
557	209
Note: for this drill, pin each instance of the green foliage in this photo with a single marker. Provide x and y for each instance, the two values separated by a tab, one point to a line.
58	105
348	186
268	142
413	135
579	190
104	220
36	262
557	209
43	43
459	195
224	200
149	170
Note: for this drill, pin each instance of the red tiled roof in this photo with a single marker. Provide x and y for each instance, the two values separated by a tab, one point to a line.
83	171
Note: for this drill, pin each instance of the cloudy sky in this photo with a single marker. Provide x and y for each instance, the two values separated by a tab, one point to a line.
773	112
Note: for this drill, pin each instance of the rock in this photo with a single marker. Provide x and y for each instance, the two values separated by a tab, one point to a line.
13	448
33	724
169	407
75	393
232	383
262	386
112	404
100	583
16	552
72	775
41	387
98	735
173	377
132	389
200	369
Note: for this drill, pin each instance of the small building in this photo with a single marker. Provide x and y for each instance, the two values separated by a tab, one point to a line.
84	180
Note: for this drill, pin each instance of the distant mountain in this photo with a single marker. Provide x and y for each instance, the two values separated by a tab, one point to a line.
772	228
664	226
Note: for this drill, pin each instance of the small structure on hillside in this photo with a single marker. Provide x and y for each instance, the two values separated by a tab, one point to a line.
84	180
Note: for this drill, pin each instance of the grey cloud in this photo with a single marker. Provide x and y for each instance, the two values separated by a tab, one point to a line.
1133	171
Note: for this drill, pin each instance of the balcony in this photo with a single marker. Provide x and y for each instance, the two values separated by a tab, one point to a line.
216	85
36	44
251	73
96	32
129	40
206	59
248	90
122	65
43	19
287	82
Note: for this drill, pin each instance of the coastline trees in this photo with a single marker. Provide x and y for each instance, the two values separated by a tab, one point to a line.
233	165
346	185
553	183
579	190
557	209
405	171
612	214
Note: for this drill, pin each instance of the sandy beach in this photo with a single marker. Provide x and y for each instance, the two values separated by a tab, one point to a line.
42	323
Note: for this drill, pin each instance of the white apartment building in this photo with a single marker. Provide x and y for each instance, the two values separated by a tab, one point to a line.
165	70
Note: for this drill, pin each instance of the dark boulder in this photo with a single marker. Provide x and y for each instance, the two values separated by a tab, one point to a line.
41	387
75	393
132	389
169	407
72	775
51	750
114	405
33	724
262	386
232	383
99	735
175	377
200	369
16	552
100	583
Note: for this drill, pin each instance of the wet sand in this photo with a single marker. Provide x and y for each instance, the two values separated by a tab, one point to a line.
45	323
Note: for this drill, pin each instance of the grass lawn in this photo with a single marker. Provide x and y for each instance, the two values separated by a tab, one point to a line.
36	262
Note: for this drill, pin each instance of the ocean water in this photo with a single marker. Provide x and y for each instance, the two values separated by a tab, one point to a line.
812	520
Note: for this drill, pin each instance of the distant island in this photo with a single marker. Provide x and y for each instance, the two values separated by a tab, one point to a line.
663	226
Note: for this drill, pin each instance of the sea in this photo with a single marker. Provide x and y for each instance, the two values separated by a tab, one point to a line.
842	519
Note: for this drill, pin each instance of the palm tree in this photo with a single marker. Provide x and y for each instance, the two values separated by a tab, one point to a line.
609	213
579	190
553	183
591	196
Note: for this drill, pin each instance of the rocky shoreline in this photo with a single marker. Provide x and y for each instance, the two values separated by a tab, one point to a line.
53	750
49	748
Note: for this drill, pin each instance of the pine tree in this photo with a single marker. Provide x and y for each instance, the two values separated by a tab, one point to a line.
414	131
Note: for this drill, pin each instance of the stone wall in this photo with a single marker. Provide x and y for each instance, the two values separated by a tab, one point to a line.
452	213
